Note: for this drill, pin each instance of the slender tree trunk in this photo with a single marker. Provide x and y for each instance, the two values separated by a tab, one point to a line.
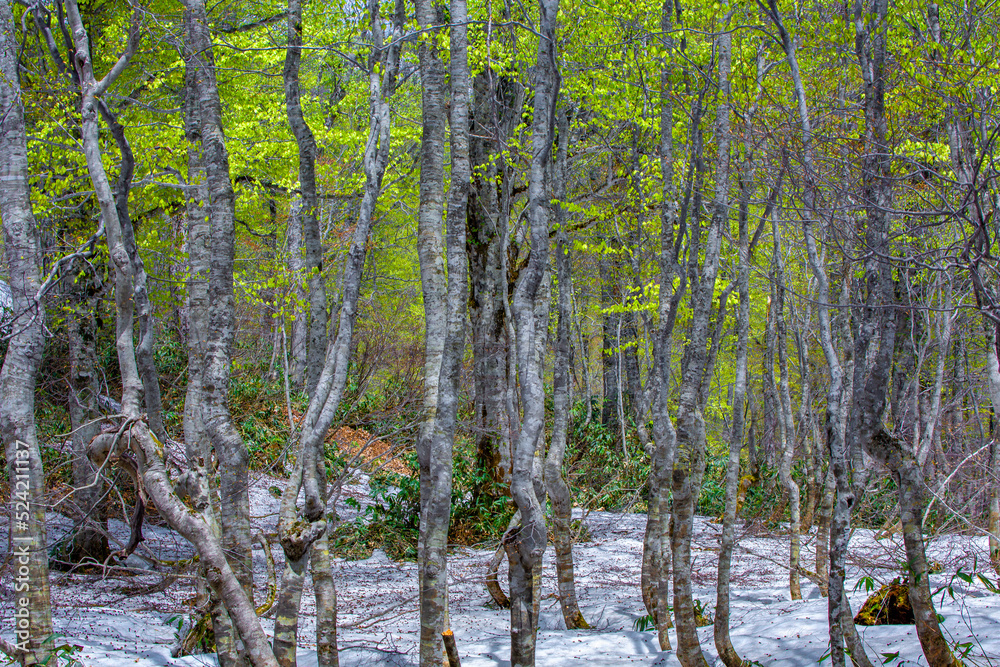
198	448
324	589
90	542
303	529
299	344
526	544
140	293
308	209
657	549
445	297
689	465
28	536
723	641
840	620
435	490
786	428
898	457
559	493
993	377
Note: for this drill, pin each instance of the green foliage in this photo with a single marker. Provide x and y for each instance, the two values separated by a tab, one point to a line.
702	616
644	624
479	513
600	473
257	405
877	505
390	523
480	509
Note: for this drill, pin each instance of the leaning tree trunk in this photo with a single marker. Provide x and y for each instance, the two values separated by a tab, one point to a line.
559	493
28	537
140	293
901	460
840	620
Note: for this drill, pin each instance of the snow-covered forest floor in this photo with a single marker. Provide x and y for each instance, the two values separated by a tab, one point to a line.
131	618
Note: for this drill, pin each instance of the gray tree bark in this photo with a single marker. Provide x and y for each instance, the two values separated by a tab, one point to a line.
689	464
656	545
555	483
28	536
526	544
446	324
302	530
840	619
306	212
786	426
727	543
225	438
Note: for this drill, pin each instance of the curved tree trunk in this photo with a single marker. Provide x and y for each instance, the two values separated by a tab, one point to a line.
526	544
656	547
298	536
28	537
307	211
901	460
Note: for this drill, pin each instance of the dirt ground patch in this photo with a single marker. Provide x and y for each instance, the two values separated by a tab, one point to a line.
370	452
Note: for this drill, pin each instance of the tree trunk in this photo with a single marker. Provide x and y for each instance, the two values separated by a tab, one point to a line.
559	492
299	344
526	544
839	606
993	377
723	641
445	298
299	529
220	331
494	112
689	465
307	218
786	428
90	542
657	548
28	536
900	459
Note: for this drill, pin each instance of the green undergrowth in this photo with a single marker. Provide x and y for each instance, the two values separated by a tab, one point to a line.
479	511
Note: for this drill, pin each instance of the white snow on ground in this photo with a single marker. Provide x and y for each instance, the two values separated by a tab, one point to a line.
117	620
